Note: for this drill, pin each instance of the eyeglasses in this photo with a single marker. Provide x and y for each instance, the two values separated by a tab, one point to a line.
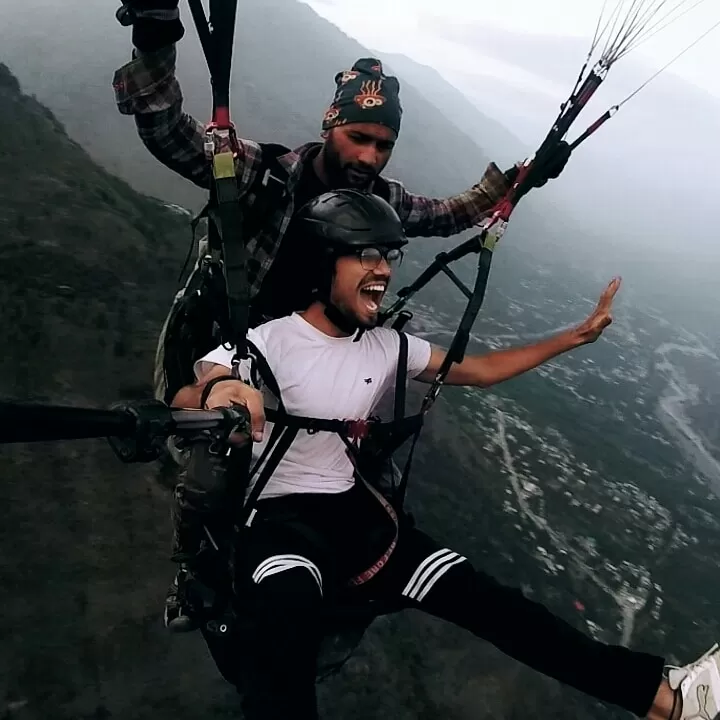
370	257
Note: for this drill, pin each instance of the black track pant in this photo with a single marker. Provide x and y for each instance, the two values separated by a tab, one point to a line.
288	576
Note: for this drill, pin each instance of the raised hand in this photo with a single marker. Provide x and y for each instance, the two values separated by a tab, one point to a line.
156	23
592	327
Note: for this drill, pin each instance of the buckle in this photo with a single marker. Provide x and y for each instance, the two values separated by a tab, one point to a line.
219	139
357	429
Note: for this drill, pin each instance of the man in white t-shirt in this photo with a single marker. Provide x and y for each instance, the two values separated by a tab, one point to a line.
319	535
323	376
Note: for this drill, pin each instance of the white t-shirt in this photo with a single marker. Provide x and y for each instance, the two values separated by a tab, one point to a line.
323	377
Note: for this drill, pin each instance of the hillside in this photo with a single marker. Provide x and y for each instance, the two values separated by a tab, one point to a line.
87	272
81	253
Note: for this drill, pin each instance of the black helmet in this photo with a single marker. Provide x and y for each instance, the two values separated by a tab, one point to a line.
343	220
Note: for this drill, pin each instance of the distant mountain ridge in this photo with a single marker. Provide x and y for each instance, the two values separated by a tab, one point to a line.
481	129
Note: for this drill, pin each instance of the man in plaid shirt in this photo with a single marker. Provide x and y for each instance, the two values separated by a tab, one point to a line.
359	131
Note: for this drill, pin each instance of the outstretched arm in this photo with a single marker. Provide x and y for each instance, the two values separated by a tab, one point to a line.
433	217
501	365
443	217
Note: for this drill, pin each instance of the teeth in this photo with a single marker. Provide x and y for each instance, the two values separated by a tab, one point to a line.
374	288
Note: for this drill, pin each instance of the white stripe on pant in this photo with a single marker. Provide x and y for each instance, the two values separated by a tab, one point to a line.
280	563
429	572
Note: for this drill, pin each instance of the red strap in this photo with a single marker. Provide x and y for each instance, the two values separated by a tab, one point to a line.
379	564
357	430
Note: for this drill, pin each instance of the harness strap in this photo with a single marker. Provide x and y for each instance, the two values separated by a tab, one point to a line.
269	187
391	435
374	569
228	229
379	564
401	491
401	378
210	385
401	384
354	428
235	253
284	440
286	428
266	375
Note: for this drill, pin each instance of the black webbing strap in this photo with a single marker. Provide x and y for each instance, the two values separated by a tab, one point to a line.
265	374
229	229
222	21
210	385
401	491
403	427
391	435
280	439
216	35
310	424
458	346
268	378
401	378
285	439
415	426
234	251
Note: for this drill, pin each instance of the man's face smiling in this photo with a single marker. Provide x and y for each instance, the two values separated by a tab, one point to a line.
359	285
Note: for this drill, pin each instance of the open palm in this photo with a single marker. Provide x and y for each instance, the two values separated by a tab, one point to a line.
592	327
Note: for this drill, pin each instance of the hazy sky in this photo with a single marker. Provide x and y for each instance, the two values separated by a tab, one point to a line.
415	27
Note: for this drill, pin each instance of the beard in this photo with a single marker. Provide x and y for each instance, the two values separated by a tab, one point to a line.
347	319
346	314
348	175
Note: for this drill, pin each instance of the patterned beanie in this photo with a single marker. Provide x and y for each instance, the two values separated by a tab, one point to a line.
365	94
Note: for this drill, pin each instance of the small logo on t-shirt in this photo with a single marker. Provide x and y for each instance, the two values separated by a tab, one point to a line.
368	381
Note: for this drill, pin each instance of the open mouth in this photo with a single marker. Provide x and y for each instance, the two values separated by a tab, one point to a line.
372	295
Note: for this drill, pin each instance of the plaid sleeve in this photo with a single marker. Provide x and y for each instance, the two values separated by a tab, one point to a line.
430	217
147	88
